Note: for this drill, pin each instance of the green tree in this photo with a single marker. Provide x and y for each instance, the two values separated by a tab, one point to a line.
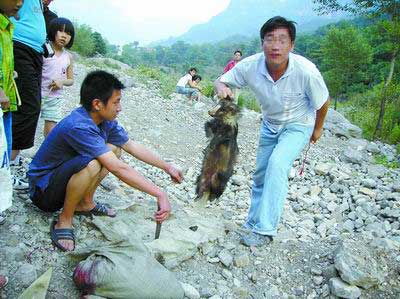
83	43
129	55
389	12
100	44
309	46
346	55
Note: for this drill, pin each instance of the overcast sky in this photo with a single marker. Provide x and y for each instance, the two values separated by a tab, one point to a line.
124	21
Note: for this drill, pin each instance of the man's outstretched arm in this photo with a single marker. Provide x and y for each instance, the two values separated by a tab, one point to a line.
134	179
142	153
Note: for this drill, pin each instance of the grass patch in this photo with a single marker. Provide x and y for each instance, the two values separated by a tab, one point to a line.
382	159
111	64
207	88
247	100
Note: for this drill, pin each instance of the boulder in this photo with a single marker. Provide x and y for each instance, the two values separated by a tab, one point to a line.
190	291
351	155
359	265
343	290
338	125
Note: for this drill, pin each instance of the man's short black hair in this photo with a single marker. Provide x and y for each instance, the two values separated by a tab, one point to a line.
61	24
192	69
238	51
98	85
195	77
278	22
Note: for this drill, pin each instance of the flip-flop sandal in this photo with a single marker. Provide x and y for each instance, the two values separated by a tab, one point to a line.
99	209
57	234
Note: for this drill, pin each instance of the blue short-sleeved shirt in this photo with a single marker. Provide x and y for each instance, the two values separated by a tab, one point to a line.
30	28
76	134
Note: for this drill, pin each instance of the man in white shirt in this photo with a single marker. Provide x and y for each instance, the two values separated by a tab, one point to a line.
294	101
193	90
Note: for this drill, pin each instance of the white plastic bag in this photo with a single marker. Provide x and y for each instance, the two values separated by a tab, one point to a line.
5	176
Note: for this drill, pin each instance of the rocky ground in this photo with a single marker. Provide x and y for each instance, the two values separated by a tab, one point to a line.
339	235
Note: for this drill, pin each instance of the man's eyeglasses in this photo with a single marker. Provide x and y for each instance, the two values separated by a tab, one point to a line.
283	41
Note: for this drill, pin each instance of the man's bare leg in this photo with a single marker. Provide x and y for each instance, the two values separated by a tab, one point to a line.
80	192
77	188
87	203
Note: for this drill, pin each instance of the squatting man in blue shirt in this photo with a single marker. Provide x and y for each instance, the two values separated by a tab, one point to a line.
294	101
78	154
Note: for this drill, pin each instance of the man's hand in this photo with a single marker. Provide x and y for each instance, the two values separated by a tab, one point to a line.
317	133
56	85
175	173
164	208
4	100
224	91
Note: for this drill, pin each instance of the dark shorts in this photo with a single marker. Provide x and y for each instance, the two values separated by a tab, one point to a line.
28	64
52	198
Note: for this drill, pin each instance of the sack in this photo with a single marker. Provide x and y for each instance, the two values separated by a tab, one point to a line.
124	269
48	50
38	289
6	191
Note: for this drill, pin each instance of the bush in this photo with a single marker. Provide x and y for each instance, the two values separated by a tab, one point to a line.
362	109
208	89
394	135
83	43
382	159
111	64
246	99
148	72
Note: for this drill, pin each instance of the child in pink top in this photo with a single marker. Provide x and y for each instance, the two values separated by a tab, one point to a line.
57	72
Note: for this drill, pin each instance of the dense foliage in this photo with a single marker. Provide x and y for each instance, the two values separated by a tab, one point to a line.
356	58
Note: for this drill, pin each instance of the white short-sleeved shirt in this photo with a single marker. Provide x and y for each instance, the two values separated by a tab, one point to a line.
184	80
293	98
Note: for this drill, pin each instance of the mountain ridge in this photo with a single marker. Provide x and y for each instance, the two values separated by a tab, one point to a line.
245	17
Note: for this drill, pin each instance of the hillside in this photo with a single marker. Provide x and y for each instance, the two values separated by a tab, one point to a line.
340	220
245	17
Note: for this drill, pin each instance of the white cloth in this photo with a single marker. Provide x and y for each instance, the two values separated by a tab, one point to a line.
6	191
184	80
293	98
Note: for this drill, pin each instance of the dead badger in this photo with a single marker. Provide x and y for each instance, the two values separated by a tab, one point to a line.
221	153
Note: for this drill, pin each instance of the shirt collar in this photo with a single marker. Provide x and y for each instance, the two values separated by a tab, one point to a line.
4	22
262	67
86	114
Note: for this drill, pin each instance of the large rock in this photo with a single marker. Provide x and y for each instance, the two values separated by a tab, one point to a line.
323	168
352	155
373	148
225	257
376	170
359	265
338	125
190	291
239	180
25	275
358	144
343	290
